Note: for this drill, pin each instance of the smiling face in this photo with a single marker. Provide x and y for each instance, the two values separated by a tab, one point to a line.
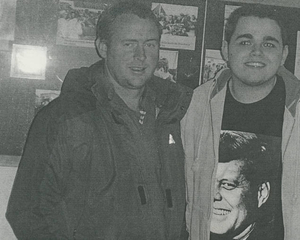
255	51
132	53
234	203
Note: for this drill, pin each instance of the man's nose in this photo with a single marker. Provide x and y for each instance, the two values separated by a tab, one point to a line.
256	49
218	196
139	52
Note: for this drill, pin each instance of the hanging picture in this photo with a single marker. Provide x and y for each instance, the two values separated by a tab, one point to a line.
167	65
178	24
213	64
76	24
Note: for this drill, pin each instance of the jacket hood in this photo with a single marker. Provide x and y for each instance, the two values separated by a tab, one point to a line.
82	79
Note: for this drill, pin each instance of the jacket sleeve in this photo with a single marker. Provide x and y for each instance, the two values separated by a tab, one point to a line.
24	206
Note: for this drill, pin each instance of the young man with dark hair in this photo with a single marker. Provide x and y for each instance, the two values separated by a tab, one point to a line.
104	160
255	95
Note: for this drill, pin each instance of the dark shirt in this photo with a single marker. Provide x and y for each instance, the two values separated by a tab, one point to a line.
265	119
261	117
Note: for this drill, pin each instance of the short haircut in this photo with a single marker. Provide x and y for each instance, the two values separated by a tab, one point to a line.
252	151
104	29
256	10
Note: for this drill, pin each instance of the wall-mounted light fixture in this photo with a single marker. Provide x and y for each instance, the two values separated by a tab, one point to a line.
28	62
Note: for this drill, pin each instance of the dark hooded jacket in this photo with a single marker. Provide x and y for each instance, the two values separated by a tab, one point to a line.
76	180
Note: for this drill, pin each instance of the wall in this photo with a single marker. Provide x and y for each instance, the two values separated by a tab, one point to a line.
8	169
7	175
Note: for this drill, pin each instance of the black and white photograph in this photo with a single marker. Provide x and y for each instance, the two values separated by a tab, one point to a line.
178	24
150	120
214	63
247	201
76	26
167	65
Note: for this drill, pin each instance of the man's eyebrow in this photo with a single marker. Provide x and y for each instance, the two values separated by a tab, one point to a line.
249	36
270	38
129	40
246	35
152	39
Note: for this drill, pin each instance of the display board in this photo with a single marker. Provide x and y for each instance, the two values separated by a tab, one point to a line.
42	24
61	33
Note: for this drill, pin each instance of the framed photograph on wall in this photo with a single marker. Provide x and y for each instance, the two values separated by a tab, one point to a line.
213	64
178	24
167	65
76	24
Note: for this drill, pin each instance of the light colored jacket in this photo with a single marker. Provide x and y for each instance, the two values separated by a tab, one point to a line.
201	128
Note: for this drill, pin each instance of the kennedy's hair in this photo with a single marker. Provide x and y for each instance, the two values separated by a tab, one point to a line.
254	153
105	22
256	10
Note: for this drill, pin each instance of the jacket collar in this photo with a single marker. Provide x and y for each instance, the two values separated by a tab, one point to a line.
102	89
170	97
292	85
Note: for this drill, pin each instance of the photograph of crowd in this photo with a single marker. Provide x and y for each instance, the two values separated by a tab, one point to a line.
182	24
167	65
178	23
76	25
213	64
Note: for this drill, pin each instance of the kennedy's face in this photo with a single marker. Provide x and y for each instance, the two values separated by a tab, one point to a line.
132	54
255	51
233	201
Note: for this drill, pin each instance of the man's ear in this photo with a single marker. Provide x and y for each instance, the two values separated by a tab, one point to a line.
263	193
224	50
101	48
285	53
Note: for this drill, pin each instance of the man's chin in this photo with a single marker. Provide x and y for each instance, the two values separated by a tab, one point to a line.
225	236
222	231
226	232
218	229
220	224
